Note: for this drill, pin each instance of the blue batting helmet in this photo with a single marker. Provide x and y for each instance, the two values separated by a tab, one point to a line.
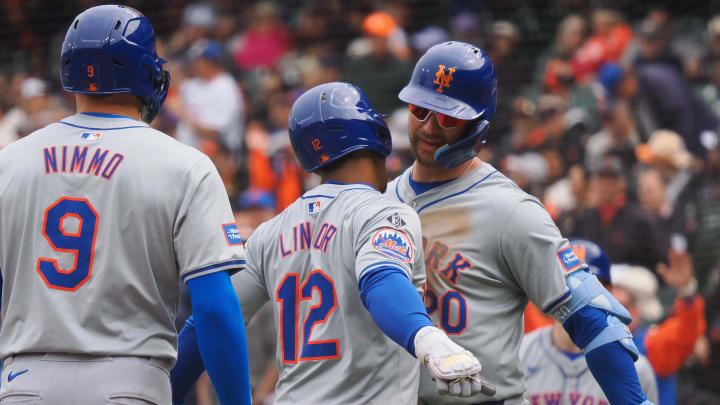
332	120
455	79
594	256
111	49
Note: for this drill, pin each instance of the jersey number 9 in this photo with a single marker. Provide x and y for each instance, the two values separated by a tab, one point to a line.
288	294
80	243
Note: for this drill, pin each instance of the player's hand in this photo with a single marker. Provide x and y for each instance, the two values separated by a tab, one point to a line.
454	369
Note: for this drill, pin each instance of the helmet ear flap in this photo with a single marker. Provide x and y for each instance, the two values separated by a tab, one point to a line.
450	156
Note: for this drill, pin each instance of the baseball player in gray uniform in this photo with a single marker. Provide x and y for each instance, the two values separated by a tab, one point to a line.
337	265
101	216
489	246
556	372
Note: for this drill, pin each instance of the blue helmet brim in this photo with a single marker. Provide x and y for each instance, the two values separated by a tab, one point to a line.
439	102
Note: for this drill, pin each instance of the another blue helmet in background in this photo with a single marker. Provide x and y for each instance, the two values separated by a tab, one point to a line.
594	256
332	120
111	49
455	79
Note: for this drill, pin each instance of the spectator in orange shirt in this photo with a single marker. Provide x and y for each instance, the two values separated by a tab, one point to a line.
610	37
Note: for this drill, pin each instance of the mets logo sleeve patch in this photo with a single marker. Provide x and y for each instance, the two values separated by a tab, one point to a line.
394	244
569	260
232	234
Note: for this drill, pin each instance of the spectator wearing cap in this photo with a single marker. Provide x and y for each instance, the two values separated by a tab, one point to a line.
211	104
665	153
624	231
669	344
381	74
253	207
36	108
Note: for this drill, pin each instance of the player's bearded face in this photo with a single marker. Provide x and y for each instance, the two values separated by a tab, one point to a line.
427	136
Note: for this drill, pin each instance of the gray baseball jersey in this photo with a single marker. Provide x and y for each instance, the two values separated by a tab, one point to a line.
100	217
489	247
553	378
308	261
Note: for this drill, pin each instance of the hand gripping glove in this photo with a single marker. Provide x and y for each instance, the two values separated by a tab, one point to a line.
454	369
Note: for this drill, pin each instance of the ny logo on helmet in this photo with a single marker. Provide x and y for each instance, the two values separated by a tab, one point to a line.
442	79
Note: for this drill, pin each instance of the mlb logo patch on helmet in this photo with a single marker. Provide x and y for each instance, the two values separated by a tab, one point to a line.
232	234
393	243
569	260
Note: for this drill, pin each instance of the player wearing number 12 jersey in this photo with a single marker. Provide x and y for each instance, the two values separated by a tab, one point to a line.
337	266
101	217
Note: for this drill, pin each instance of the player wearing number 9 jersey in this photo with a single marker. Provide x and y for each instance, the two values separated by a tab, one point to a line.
337	266
101	217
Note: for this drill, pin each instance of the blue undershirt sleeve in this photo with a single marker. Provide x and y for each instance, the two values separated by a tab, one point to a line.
189	365
611	364
221	336
394	304
614	370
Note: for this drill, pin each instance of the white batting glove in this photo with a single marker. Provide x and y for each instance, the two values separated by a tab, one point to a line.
454	369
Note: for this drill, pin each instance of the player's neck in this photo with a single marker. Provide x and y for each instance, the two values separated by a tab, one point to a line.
428	174
362	167
119	104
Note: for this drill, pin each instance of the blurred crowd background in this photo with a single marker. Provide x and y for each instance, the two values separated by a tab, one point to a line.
608	111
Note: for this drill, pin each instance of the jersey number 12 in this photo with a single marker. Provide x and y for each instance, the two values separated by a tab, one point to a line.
289	294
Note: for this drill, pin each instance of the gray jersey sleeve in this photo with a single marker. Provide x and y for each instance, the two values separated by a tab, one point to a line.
249	284
205	236
529	246
388	236
646	375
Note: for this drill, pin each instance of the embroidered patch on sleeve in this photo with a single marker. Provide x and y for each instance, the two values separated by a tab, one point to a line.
232	234
569	260
394	244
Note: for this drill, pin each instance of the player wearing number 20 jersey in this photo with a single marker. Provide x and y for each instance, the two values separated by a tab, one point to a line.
478	241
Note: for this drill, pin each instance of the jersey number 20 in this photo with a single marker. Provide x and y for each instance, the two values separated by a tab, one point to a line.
289	294
81	243
451	327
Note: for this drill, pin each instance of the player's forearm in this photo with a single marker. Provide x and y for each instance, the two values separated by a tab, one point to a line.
394	305
189	365
614	370
221	336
